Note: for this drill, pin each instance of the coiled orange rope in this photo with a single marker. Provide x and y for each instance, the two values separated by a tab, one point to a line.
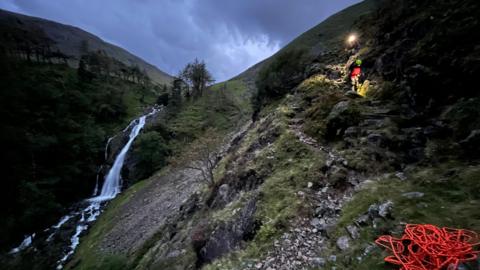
427	247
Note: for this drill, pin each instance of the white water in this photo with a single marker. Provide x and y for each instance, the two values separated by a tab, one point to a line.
106	146
112	185
95	189
27	241
110	189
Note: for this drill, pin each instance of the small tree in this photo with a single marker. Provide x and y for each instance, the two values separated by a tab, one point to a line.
202	155
197	77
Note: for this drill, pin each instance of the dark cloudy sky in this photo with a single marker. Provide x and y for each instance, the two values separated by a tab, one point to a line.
230	35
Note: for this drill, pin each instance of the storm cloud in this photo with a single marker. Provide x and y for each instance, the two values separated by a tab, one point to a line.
230	35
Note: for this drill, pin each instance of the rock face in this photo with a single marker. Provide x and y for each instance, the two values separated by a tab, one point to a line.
225	193
229	236
343	115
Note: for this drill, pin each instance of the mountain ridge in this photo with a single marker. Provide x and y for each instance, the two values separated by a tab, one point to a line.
68	39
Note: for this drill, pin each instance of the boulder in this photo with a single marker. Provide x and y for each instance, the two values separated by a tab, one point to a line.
362	220
343	115
385	209
380	210
343	242
353	231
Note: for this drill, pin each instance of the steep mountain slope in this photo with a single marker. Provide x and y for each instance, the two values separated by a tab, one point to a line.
69	39
320	38
145	253
321	173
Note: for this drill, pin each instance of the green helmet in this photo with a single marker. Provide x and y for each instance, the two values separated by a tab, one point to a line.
358	62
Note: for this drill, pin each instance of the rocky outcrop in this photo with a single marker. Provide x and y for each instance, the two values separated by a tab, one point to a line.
343	115
229	235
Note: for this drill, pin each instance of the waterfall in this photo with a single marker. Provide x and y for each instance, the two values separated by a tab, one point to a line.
111	187
112	184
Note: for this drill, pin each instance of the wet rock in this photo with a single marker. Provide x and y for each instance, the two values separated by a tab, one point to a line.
368	250
318	224
401	176
413	195
353	231
190	205
319	262
315	222
174	253
362	220
383	210
223	191
343	243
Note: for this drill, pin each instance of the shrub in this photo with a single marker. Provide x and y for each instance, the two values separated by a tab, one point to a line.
152	152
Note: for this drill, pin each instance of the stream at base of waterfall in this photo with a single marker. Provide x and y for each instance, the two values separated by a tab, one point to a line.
92	207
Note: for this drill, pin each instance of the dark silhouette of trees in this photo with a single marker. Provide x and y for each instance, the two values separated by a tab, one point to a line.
99	64
178	87
30	44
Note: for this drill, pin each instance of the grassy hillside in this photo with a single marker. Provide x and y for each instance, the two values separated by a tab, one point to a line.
331	32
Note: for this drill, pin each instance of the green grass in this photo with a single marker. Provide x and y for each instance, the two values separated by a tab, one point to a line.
333	30
288	165
223	106
451	200
88	256
326	35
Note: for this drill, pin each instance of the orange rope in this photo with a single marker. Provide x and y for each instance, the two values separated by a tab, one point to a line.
427	247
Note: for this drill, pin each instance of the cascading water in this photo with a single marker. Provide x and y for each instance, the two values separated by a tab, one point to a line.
110	189
112	185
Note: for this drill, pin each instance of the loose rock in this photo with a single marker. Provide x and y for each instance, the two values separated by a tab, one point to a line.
343	243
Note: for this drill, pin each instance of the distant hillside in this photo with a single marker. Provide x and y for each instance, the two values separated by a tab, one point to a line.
68	40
